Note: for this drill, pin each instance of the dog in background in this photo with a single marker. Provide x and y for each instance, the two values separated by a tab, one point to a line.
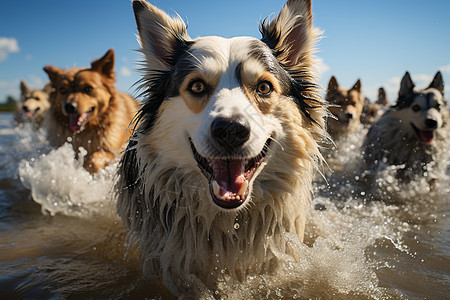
225	149
33	106
87	110
412	132
373	111
382	99
346	105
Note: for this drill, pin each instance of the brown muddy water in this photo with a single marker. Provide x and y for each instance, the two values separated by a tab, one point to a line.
60	237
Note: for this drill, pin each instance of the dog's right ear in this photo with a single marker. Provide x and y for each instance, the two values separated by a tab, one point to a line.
160	36
53	72
23	87
333	84
406	86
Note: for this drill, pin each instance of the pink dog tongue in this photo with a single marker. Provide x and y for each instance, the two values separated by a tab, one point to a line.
427	135
229	174
76	121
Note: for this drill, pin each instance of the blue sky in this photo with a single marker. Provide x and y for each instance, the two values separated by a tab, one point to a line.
376	41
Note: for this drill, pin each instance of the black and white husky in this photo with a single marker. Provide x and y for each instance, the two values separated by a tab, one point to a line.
412	132
225	149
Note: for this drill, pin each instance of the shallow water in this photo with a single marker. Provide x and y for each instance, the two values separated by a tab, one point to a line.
62	239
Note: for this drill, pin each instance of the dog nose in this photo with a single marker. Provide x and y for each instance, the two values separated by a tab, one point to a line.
230	132
349	116
70	108
25	108
430	123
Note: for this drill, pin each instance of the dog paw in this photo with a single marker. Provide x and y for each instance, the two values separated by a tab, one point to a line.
98	160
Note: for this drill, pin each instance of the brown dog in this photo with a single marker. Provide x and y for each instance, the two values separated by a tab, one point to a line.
346	105
88	111
33	106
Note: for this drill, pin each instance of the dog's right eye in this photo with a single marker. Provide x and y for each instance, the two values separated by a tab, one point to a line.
197	87
264	88
416	108
62	90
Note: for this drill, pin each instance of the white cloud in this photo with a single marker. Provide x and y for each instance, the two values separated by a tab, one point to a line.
320	67
7	46
124	71
445	69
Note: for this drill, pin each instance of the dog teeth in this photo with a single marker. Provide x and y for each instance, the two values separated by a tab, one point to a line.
243	188
216	189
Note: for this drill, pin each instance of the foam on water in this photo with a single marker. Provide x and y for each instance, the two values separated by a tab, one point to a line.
60	184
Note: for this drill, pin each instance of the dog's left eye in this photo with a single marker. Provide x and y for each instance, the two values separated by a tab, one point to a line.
438	107
197	87
416	108
88	89
264	88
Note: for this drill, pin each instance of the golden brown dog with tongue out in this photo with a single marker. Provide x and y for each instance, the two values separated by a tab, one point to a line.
217	177
87	111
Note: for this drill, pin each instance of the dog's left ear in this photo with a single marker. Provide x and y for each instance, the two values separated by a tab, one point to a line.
291	34
48	88
105	65
357	86
438	82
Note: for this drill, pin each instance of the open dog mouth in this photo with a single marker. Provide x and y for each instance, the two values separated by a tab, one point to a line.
229	179
78	121
426	136
31	113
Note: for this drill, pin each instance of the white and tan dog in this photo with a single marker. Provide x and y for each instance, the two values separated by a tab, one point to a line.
412	132
225	148
34	105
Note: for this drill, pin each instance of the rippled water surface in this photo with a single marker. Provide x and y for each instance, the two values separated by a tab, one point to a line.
60	237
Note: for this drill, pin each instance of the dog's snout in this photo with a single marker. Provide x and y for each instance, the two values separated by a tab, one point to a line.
349	116
70	108
430	123
25	108
230	132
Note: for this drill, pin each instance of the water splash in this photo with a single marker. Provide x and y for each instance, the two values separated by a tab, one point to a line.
60	184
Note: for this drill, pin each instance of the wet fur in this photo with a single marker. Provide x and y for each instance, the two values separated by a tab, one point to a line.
36	100
105	133
163	197
393	141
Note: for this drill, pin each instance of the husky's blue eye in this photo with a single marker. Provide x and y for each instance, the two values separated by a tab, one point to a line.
197	87
416	108
264	88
